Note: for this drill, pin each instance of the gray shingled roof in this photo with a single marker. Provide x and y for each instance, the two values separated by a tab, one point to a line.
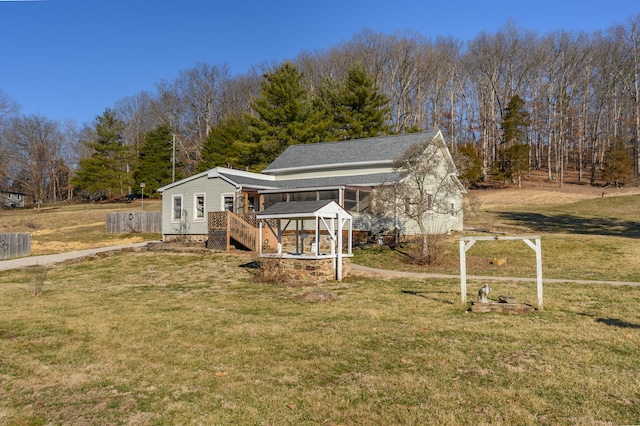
357	180
248	182
383	148
294	207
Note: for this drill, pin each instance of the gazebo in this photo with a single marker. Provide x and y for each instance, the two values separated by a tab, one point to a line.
317	234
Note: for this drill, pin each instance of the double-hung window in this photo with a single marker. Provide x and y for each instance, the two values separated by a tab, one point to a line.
176	211
198	208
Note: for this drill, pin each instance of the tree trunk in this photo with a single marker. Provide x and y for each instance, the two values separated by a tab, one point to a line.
425	245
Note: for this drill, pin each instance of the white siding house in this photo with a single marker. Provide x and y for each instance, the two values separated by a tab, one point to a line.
347	172
185	203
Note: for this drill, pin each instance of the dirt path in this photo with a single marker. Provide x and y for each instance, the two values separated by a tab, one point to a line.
385	273
52	259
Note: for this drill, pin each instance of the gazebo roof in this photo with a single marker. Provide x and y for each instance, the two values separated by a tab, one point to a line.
303	209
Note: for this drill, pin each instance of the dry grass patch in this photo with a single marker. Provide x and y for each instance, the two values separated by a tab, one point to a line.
591	239
73	227
585	257
160	338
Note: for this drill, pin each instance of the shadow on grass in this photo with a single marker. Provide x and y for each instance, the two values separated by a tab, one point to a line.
251	265
570	224
614	322
423	294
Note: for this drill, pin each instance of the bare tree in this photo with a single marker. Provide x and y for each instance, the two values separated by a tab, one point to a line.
422	193
192	105
8	109
35	143
138	113
237	94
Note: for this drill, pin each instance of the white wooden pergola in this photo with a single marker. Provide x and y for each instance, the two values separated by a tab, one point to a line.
326	215
532	241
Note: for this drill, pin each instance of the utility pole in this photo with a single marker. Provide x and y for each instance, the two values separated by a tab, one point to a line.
173	160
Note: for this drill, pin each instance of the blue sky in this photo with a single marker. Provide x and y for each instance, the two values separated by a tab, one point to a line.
71	59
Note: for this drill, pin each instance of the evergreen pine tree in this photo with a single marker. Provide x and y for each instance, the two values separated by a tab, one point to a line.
105	172
515	122
469	164
513	154
618	165
230	144
324	112
361	108
155	161
283	111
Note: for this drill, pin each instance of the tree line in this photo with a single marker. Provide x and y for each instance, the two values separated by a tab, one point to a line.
506	102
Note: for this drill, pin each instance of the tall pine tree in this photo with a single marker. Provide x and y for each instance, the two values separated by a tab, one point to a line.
230	144
618	164
515	122
283	113
362	109
106	171
351	109
513	155
155	161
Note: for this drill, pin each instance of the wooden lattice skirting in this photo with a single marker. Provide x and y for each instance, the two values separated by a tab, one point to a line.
217	239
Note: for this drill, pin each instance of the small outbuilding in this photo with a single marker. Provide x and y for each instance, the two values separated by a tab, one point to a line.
12	199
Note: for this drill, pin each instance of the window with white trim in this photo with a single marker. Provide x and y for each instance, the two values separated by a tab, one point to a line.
227	201
176	211
198	207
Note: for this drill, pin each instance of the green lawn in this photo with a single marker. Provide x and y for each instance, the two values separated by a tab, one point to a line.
143	338
146	339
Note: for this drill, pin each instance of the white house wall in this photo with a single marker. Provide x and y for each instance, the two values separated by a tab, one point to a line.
212	188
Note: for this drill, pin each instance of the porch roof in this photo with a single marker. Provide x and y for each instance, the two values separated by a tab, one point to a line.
304	210
373	179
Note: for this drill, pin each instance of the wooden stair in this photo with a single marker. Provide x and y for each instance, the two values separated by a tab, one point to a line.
225	226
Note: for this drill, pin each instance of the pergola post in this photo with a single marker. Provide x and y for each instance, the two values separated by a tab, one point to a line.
339	256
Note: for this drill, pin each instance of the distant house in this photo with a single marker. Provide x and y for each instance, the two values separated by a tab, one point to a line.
12	199
347	172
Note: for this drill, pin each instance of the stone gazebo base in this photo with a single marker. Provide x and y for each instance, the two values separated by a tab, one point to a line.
307	269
